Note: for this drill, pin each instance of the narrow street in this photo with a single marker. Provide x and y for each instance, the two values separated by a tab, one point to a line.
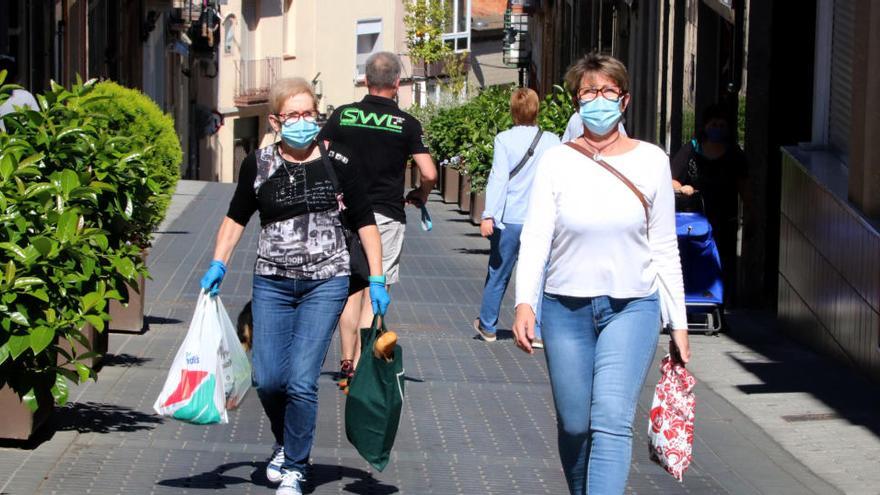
478	418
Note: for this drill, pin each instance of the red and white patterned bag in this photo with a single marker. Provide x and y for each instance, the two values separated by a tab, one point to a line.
671	428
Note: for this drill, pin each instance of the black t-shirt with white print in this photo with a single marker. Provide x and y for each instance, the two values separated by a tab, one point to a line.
383	137
302	235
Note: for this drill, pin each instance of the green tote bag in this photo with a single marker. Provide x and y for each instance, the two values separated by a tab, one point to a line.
375	399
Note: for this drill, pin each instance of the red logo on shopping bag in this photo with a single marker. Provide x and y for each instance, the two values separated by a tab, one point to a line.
189	382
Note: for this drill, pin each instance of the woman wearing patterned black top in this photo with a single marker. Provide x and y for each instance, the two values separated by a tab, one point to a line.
299	186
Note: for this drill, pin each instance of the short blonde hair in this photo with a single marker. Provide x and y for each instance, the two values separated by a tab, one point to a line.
524	106
283	89
594	63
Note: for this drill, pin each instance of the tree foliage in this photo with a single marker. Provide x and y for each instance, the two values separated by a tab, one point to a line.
129	112
424	21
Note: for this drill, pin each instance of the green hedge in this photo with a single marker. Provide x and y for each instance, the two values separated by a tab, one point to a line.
131	113
71	190
463	136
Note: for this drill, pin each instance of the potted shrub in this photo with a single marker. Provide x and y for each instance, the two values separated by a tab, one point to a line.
65	197
445	134
131	113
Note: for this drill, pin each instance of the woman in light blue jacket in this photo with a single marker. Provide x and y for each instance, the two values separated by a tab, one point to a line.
507	196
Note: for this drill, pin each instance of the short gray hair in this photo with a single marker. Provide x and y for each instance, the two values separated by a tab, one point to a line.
383	69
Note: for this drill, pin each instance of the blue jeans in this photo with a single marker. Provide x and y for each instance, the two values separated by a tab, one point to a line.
598	352
293	325
503	253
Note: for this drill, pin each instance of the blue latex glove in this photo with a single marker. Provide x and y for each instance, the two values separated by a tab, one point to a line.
379	294
427	224
214	277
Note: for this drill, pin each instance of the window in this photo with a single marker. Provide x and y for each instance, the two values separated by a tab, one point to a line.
248	43
832	82
369	41
458	24
288	29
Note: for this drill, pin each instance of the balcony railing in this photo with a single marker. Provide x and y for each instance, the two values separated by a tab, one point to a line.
255	78
190	11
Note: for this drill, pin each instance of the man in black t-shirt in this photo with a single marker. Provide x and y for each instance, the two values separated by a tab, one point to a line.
383	137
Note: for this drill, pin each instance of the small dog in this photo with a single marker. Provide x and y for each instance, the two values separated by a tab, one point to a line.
245	327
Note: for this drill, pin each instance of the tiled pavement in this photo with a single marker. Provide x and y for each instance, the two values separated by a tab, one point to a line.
478	417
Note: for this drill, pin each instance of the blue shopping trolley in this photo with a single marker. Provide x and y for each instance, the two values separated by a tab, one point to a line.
701	269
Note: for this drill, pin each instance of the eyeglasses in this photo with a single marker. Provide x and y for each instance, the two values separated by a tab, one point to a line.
293	117
590	94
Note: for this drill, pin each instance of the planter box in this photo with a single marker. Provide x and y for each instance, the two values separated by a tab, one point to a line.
129	318
19	423
416	177
438	186
450	185
464	194
97	340
407	176
478	204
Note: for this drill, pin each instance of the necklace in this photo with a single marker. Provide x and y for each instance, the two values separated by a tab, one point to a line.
289	175
286	162
598	151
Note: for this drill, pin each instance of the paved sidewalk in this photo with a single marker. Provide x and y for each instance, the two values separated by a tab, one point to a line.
478	418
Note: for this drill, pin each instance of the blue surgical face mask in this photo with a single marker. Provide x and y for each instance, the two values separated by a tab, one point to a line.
600	115
299	134
716	134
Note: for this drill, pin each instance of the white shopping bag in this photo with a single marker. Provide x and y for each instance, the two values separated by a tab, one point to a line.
208	371
234	361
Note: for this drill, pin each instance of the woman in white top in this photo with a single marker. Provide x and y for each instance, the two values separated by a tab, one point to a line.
613	273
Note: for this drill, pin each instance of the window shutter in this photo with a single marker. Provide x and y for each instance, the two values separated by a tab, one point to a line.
839	121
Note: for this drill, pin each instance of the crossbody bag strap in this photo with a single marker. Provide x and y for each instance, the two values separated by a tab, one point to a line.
529	153
632	187
328	167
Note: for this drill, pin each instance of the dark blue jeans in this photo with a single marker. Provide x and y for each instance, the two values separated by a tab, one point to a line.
293	325
503	253
598	353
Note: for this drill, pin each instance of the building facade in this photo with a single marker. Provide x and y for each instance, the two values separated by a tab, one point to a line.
210	64
62	39
327	42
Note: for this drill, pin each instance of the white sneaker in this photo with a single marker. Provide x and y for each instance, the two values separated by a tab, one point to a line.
290	483
273	470
487	336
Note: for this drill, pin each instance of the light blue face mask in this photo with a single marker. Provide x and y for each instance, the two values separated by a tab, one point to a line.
299	134
600	115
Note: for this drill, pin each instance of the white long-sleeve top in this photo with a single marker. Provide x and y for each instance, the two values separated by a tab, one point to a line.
588	228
